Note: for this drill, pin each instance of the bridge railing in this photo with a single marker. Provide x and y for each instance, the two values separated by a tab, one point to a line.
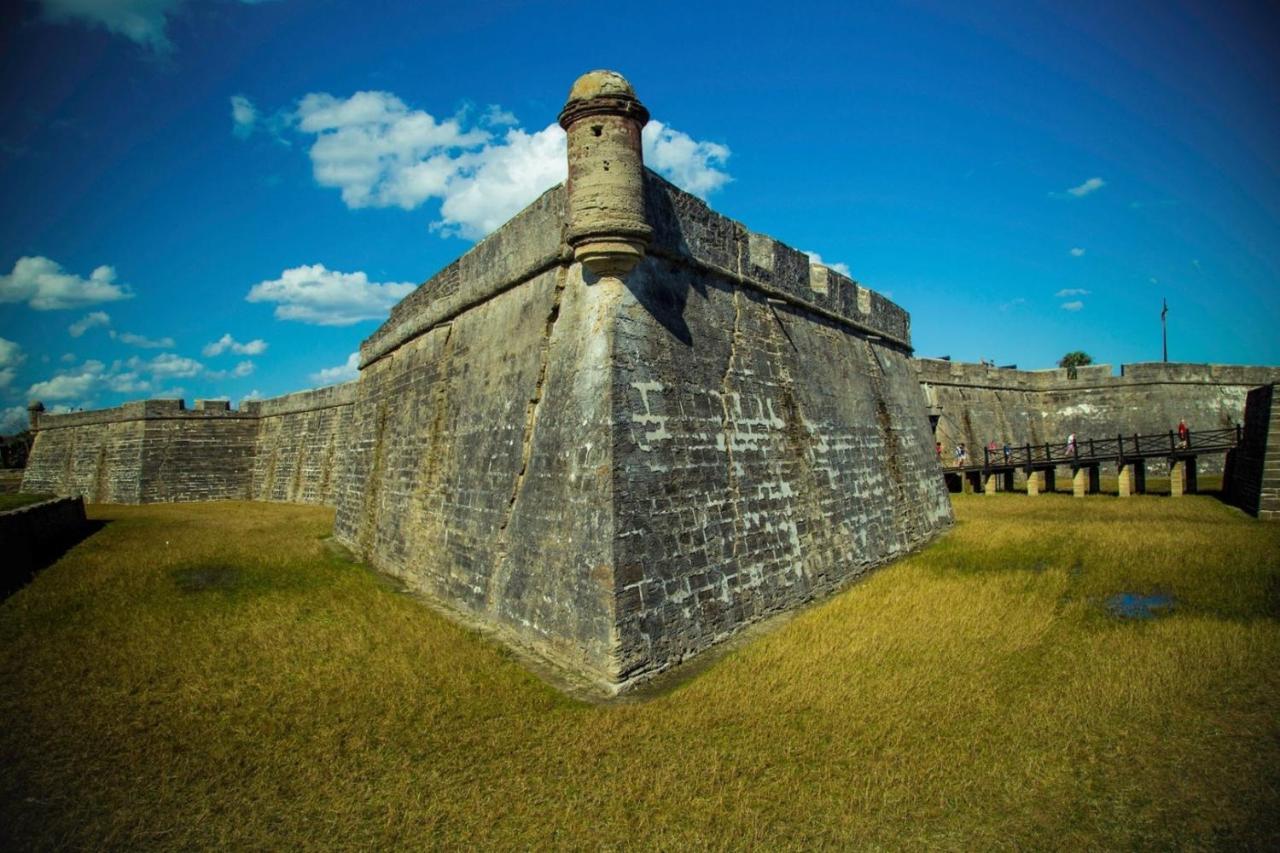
1092	450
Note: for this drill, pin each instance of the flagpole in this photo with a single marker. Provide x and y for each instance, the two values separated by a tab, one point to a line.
1164	329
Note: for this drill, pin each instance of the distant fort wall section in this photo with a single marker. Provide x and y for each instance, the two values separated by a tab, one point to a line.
157	451
976	404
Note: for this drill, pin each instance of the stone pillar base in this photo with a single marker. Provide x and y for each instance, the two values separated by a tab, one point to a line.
1182	477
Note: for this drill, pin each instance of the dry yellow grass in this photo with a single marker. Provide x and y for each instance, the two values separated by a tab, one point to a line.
209	676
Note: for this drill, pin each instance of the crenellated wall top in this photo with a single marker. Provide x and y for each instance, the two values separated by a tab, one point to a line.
941	372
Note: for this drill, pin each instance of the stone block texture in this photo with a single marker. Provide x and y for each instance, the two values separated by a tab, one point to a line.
975	403
157	451
1253	468
633	469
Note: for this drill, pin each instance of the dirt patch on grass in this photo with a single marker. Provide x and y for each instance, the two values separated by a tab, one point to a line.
197	579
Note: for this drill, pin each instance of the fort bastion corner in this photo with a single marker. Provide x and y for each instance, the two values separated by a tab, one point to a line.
616	430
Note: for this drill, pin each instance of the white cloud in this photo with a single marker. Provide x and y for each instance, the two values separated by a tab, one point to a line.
89	321
241	370
13	419
141	21
494	184
68	357
323	297
11	355
169	365
102	318
226	343
255	394
378	152
1077	252
142	341
79	384
843	269
1072	306
244	116
45	286
1071	291
344	372
691	165
84	382
1090	186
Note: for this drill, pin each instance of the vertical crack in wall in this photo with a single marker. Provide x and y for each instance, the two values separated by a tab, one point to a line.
439	408
892	449
325	471
295	485
68	466
428	509
100	475
726	422
526	442
373	487
798	442
535	400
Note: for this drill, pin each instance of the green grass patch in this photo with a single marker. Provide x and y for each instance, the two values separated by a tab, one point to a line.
8	502
210	676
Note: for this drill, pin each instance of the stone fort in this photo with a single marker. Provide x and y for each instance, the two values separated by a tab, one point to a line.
622	426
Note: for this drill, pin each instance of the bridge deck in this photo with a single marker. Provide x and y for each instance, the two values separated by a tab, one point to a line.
1090	452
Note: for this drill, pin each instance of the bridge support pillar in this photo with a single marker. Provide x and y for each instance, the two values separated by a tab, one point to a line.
1035	482
1085	480
989	482
1182	476
972	482
1133	477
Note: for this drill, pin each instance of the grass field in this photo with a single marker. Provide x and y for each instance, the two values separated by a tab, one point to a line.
13	501
211	676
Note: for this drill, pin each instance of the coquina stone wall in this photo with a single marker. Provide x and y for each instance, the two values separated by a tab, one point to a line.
156	451
634	468
976	404
300	450
1253	481
770	440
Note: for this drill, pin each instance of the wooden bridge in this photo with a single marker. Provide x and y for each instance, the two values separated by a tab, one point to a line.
1086	457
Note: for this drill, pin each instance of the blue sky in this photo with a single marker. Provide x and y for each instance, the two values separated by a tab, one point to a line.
220	198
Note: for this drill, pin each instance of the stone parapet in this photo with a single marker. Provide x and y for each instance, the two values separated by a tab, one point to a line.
687	230
530	243
29	533
942	372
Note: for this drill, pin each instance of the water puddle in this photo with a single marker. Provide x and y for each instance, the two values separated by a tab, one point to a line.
1133	605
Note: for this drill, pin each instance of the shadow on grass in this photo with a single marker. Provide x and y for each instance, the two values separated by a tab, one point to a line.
18	576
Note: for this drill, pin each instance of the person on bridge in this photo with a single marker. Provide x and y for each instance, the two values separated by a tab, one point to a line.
992	449
1008	451
962	455
1071	444
1184	434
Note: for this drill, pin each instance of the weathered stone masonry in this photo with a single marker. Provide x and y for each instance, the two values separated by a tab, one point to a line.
156	451
1254	480
678	427
617	430
975	404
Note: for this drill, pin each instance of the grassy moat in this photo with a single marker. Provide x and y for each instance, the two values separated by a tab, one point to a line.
1055	673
